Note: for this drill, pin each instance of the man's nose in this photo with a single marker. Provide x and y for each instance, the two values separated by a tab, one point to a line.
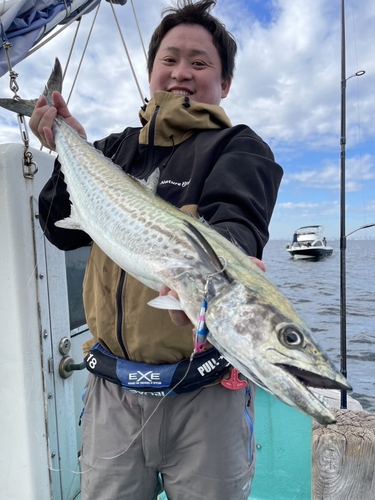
182	71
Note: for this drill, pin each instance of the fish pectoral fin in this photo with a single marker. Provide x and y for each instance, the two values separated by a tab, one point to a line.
71	222
166	302
205	251
68	223
152	182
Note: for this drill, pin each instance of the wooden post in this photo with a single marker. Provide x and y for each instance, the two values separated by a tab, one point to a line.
344	457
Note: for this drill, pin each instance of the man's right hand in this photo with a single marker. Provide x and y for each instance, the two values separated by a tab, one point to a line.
42	119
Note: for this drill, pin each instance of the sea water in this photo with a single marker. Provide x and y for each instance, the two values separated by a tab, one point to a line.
313	287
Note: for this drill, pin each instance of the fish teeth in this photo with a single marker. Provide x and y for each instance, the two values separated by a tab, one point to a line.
321	399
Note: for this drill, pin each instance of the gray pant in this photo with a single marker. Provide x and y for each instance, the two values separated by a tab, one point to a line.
200	442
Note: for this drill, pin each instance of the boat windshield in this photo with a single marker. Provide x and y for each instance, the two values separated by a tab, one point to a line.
311	230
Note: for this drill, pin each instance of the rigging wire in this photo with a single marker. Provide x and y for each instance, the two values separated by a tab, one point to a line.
72	46
139	30
78	17
358	115
366	257
123	42
83	54
126	51
57	32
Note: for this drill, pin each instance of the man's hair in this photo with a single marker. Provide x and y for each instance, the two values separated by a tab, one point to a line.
188	12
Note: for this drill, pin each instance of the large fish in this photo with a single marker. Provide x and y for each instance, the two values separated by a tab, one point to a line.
249	320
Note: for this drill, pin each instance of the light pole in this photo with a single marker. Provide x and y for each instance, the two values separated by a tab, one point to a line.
358	228
342	206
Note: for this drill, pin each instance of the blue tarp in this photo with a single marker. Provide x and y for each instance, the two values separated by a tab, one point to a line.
25	22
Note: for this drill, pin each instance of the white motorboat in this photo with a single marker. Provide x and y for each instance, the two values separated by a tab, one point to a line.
309	243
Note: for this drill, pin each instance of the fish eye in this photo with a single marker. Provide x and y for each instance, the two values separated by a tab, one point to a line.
290	337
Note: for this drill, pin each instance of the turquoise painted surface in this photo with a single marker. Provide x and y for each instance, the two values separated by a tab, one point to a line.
283	440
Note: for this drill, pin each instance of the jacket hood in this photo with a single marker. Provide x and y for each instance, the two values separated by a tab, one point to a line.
172	115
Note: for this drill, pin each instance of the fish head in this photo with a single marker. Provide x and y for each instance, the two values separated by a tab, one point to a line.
274	348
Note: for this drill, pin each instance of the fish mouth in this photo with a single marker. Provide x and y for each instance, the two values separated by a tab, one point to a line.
288	383
311	379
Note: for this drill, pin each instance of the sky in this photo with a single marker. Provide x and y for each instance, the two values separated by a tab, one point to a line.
286	87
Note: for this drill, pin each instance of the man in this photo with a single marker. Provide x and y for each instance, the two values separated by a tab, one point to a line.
198	440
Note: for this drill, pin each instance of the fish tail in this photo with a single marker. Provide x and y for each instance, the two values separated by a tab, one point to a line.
54	82
26	106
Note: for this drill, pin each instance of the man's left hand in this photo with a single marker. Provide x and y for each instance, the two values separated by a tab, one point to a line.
179	318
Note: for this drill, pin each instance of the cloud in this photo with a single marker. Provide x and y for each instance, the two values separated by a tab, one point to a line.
358	170
299	206
286	87
287	79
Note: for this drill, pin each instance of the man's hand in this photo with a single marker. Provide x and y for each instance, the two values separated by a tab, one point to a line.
259	263
42	119
179	318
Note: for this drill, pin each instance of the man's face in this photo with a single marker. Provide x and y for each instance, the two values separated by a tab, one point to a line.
188	64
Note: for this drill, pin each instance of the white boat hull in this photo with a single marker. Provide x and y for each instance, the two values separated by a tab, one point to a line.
310	253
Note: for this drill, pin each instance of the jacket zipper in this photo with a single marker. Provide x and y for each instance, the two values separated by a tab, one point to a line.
151	134
120	312
151	140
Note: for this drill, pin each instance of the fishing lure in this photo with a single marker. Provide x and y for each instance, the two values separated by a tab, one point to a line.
201	329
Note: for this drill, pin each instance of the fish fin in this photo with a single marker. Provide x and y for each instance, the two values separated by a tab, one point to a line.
54	82
205	251
71	222
68	223
21	106
152	181
26	106
166	302
203	221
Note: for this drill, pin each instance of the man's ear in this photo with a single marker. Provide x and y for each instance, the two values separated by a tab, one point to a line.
225	87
